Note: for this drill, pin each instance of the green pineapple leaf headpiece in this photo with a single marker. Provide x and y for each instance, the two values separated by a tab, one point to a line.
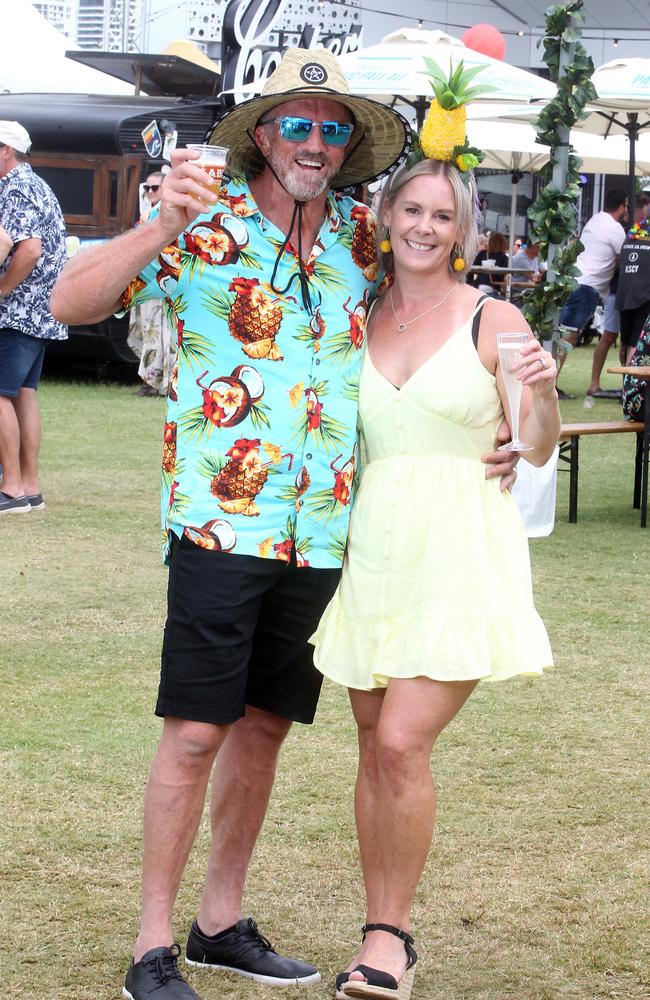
443	135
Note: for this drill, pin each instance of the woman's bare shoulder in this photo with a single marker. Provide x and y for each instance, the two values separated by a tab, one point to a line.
502	317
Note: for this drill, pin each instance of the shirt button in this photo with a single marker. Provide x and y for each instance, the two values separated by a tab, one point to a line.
309	455
300	503
317	361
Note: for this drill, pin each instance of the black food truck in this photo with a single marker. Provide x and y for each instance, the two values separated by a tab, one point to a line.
91	152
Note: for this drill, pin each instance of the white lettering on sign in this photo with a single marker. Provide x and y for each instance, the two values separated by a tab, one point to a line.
248	58
631	268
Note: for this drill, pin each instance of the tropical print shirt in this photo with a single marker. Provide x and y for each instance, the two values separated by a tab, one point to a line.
260	450
29	209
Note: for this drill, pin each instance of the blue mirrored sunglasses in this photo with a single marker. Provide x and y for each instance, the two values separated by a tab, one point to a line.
299	129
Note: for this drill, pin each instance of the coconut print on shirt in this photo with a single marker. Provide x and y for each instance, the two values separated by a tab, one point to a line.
260	450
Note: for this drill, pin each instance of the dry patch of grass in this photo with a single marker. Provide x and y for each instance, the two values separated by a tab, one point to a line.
536	888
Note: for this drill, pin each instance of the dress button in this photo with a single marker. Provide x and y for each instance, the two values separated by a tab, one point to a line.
309	456
317	361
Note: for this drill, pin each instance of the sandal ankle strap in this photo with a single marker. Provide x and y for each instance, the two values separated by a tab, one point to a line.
398	932
390	929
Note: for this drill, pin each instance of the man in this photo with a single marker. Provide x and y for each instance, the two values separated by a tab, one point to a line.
525	259
32	218
612	322
602	238
6	243
268	290
150	335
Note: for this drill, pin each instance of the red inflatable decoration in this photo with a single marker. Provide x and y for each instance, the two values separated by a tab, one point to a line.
487	39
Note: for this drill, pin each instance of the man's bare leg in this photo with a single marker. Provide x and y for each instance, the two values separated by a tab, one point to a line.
598	362
241	789
10	448
172	811
570	337
29	421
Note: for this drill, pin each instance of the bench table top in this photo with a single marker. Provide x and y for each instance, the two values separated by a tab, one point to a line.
600	427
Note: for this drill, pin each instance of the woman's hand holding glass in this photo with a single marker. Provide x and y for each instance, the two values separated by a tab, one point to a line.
523	362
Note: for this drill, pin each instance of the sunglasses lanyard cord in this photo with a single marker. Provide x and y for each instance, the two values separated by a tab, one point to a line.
301	275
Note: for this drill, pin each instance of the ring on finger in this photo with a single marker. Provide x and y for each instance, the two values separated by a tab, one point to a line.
542	363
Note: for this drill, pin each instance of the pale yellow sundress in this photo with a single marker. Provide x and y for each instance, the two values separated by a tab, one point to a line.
436	580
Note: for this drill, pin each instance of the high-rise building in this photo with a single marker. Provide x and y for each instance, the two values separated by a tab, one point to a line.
62	14
110	25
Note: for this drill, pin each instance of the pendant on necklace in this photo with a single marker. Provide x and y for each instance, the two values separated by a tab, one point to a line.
401	327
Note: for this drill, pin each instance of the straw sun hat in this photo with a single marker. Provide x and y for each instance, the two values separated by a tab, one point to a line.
380	140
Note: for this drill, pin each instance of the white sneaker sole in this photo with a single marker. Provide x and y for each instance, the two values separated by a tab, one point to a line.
256	977
16	510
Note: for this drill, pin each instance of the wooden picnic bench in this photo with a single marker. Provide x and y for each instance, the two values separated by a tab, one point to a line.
570	435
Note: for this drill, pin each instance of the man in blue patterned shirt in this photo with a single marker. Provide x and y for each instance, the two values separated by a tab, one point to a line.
267	284
31	215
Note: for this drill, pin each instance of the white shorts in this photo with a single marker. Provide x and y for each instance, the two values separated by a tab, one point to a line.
612	315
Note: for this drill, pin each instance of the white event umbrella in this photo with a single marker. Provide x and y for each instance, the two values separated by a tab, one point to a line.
33	60
514	147
394	70
623	107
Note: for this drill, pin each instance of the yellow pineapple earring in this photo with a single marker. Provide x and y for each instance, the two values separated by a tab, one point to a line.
458	262
385	246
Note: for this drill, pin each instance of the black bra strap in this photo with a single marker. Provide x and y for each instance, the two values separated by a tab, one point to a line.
476	322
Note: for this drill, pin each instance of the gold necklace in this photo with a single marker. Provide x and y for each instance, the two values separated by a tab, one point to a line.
401	326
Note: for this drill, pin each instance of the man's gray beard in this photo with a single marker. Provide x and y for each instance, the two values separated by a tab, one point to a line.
302	190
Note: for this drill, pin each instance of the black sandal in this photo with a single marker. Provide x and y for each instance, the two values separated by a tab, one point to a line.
380	985
343	976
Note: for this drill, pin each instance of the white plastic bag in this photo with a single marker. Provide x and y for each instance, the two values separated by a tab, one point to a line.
534	494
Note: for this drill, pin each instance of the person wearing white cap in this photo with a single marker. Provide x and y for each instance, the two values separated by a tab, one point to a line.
267	283
33	223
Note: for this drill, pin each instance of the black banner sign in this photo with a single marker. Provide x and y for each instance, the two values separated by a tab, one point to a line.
246	55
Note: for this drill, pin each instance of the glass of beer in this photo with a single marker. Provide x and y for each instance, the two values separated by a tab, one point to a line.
509	346
212	159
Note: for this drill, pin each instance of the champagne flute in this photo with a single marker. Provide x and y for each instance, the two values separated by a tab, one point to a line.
509	346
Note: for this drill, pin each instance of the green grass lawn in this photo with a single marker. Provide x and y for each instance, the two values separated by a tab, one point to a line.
537	886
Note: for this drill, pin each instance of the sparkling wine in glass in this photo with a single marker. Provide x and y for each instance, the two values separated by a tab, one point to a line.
509	346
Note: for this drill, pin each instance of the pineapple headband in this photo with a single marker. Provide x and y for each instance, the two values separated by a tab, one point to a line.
444	135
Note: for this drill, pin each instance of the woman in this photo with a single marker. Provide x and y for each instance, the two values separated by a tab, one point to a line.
495	251
436	590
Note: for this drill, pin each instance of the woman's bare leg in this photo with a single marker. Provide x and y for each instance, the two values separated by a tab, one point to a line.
396	802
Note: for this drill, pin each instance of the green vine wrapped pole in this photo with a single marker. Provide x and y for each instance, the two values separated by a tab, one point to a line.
553	215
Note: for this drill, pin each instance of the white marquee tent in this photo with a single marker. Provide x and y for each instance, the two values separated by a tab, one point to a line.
33	60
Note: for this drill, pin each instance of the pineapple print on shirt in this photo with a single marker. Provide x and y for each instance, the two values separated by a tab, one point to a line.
260	443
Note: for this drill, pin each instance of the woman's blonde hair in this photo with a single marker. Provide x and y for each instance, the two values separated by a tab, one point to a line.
465	197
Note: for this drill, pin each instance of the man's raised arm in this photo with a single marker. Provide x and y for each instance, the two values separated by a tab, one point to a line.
91	284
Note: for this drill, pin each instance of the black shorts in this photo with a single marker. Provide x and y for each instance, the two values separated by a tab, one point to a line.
632	321
236	635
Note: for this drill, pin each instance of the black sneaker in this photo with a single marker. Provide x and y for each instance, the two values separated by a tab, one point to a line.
14	505
36	501
242	949
157	975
